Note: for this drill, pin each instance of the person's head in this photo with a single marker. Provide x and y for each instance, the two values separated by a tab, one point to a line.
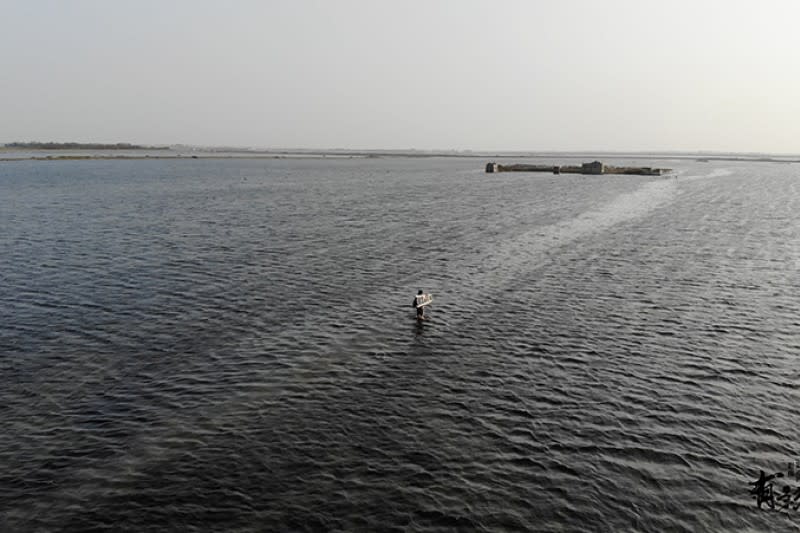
420	291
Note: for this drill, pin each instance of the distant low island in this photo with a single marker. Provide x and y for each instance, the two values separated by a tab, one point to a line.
35	145
595	167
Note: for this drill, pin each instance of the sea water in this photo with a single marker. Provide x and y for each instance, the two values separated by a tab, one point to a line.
230	345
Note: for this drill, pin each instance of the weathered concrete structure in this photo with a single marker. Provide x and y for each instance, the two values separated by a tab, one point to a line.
595	167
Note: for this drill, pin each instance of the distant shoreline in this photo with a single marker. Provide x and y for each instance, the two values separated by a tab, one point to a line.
36	145
96	157
28	155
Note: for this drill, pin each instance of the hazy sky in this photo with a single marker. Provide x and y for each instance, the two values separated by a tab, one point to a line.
493	75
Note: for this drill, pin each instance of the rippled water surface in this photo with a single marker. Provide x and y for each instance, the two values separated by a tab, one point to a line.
229	345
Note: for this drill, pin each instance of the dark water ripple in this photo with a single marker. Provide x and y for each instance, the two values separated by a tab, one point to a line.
228	345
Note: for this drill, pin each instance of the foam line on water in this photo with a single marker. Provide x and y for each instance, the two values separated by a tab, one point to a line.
534	248
716	173
531	249
500	263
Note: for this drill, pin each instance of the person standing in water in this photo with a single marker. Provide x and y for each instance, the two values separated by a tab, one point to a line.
417	304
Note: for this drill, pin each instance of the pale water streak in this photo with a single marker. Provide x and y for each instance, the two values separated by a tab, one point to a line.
229	345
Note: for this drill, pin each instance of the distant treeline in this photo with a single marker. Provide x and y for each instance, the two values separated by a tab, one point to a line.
81	146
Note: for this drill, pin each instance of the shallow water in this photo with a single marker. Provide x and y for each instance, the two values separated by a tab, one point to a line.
229	345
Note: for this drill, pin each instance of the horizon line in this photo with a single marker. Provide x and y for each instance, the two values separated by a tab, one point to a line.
476	151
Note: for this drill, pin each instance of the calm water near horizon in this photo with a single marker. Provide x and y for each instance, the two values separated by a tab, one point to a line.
228	345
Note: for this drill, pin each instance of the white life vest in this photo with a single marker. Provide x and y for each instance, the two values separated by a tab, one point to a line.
420	299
